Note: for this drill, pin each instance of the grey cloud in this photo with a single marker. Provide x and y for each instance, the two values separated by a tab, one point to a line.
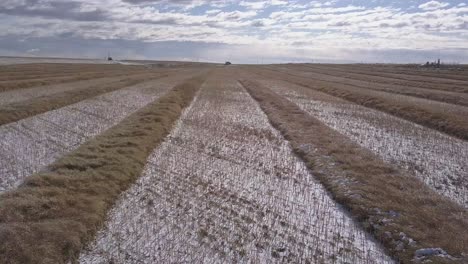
340	24
121	49
76	47
463	26
136	21
54	9
177	2
172	50
174	2
164	21
395	25
258	24
140	1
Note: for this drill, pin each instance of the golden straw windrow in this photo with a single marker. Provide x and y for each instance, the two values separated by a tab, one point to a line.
419	90
446	118
53	214
433	81
23	109
398	209
40	81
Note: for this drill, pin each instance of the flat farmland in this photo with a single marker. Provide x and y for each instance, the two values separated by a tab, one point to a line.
204	163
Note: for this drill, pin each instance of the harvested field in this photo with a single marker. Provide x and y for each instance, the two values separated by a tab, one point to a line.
409	72
26	76
14	111
427	90
32	60
69	201
369	187
199	163
46	137
447	118
224	189
394	140
18	95
436	80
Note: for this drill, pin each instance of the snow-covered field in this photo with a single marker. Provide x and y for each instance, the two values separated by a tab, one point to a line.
439	160
225	187
29	145
18	95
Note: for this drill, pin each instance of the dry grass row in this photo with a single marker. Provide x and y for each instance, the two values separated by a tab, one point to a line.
410	72
449	122
424	89
382	198
21	76
16	111
415	71
53	214
45	80
44	68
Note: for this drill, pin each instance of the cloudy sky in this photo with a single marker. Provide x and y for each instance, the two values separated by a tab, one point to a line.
247	31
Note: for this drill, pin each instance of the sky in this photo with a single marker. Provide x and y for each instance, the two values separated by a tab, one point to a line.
246	31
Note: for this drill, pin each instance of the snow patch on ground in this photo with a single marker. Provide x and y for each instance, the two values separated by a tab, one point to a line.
29	145
437	159
225	187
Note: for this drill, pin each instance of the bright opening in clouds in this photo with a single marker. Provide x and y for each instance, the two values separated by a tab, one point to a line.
244	31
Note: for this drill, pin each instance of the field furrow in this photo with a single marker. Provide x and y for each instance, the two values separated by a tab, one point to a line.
408	72
372	84
33	143
50	217
21	80
446	118
48	72
435	158
400	210
37	70
183	162
12	112
445	95
225	187
15	96
63	80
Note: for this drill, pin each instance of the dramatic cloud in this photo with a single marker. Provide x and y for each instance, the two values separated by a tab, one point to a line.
295	30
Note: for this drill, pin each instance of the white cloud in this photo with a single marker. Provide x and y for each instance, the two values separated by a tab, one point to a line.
433	5
254	5
261	4
317	25
213	11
